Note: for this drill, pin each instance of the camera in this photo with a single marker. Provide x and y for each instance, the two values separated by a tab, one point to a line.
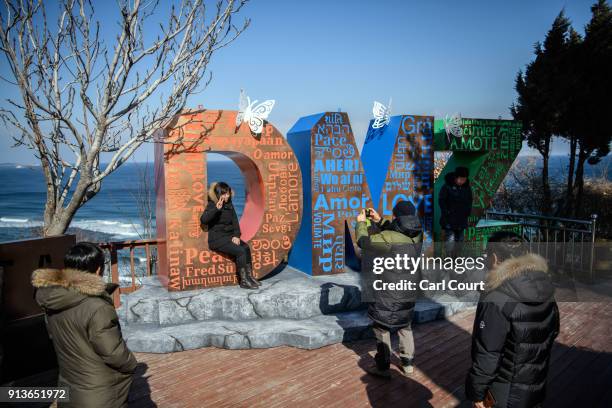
368	212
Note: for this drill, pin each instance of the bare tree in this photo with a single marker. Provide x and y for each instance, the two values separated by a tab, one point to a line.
144	199
81	99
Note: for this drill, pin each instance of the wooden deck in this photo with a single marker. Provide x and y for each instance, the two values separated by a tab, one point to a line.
580	376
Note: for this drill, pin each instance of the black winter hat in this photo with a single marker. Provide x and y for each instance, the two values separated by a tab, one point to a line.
403	208
462	172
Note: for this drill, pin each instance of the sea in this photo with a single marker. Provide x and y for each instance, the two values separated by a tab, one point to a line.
113	213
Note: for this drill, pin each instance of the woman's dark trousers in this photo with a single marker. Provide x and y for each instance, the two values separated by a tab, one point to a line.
242	253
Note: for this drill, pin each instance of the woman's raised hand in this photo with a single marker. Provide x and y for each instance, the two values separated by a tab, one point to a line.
221	201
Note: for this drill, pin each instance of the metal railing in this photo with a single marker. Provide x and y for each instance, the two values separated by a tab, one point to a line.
564	242
122	263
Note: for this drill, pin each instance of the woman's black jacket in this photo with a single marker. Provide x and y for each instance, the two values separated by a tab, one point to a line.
222	223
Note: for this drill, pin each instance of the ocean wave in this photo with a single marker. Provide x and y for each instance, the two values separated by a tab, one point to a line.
11	219
118	229
14	222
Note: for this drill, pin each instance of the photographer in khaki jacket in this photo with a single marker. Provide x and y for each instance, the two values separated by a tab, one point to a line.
94	361
391	312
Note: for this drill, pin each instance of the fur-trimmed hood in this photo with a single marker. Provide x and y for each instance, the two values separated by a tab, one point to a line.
212	196
524	278
82	322
59	289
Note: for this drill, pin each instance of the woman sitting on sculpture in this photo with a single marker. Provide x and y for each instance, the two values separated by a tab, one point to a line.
224	232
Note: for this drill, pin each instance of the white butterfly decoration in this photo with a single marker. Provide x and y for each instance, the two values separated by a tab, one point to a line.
452	125
253	114
382	114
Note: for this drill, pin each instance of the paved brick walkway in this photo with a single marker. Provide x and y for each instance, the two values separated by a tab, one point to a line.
581	370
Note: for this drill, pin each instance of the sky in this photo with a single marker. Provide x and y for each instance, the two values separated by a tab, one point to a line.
432	57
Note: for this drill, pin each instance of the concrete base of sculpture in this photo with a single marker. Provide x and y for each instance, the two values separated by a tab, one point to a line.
290	309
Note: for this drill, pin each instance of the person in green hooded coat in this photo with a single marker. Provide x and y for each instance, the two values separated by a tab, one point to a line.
94	360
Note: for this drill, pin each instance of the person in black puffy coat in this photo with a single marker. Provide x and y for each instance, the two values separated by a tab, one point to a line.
455	201
224	232
516	323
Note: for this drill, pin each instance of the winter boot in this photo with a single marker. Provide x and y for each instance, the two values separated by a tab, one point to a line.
251	277
245	283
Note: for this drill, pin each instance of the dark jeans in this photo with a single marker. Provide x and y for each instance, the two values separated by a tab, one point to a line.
451	237
241	253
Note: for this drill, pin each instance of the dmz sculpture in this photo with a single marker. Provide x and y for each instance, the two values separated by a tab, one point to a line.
304	192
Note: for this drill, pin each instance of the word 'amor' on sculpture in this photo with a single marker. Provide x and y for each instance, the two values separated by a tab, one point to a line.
273	205
487	147
396	164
